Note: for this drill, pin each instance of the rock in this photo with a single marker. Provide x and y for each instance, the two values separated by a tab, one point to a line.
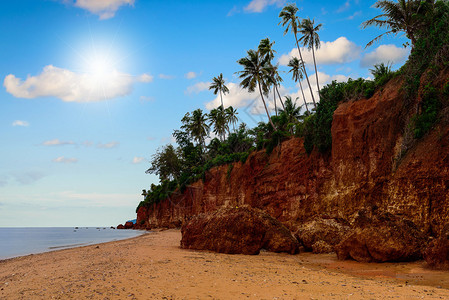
437	254
242	230
129	225
380	238
329	231
120	226
321	247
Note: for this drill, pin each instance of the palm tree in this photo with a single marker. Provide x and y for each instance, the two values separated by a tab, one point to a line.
297	76
311	39
217	118
197	126
231	116
266	50
256	71
402	16
218	85
292	112
291	21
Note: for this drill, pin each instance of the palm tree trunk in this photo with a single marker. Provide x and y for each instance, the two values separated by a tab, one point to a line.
279	95
305	102
274	97
316	72
221	97
305	72
265	105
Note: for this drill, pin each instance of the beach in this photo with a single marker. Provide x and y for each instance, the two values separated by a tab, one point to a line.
153	266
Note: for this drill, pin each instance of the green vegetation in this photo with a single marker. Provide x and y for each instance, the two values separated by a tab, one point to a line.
425	23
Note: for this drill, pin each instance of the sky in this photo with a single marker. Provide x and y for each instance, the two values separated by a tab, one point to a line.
91	88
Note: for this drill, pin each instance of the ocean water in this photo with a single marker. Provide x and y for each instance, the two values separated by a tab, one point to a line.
18	241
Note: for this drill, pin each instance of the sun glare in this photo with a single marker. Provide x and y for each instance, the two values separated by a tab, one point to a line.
100	67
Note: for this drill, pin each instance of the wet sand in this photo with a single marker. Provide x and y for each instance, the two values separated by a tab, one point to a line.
153	266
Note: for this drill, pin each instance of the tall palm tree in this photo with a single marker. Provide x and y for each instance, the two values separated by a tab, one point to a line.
266	50
311	39
402	16
231	116
218	85
291	21
197	126
297	76
256	71
217	118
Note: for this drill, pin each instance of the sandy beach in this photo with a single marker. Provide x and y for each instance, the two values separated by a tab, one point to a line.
153	266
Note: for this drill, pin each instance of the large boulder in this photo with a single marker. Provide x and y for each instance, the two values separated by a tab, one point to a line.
129	225
321	235
380	238
242	230
437	253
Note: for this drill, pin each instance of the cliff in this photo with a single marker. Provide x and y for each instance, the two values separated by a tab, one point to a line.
367	167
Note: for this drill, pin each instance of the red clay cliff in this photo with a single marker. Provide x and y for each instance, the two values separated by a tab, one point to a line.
364	169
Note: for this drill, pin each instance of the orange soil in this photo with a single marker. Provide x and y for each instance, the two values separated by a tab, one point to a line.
153	266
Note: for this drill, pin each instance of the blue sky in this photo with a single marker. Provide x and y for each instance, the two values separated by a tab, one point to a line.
91	88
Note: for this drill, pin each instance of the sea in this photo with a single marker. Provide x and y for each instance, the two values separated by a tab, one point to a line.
19	241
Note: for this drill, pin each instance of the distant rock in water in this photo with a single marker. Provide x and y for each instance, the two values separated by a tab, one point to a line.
242	230
120	226
129	225
380	238
321	235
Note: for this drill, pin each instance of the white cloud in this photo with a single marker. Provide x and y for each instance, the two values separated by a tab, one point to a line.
108	145
234	10
237	97
20	123
344	7
146	99
337	52
138	160
57	142
65	160
257	6
356	14
191	75
105	9
196	88
385	54
167	77
323	78
73	87
145	78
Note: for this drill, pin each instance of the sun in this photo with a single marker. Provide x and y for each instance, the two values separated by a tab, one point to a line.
100	67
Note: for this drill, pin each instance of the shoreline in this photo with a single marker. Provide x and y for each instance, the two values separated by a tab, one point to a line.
154	266
54	249
51	245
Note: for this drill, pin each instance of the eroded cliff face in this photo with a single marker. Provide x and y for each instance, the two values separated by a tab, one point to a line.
361	171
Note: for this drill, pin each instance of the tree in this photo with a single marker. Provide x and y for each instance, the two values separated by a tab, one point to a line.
166	163
218	85
296	70
256	72
217	119
196	125
231	116
311	39
380	70
266	51
291	21
402	16
292	112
